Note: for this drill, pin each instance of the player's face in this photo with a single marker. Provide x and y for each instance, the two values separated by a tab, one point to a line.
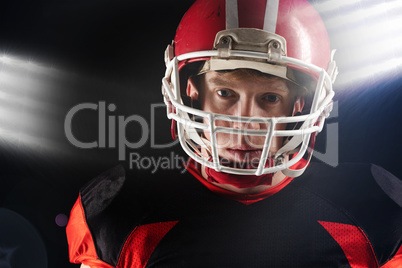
248	96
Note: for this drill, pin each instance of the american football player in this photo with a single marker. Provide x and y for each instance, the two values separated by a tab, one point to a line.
248	86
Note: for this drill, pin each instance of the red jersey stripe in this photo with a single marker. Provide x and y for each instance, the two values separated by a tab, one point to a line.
354	244
142	242
80	243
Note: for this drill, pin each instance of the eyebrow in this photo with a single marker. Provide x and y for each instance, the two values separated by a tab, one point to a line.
227	82
218	81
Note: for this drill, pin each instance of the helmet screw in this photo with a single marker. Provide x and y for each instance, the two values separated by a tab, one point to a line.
225	40
275	45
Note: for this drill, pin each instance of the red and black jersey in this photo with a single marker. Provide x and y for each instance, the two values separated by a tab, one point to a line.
349	216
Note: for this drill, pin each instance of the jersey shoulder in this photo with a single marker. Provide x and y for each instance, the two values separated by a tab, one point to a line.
366	193
353	180
86	229
116	202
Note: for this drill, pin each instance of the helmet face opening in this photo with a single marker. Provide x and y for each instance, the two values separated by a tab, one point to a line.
246	48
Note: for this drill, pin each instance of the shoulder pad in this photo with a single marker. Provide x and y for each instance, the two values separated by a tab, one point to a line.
100	191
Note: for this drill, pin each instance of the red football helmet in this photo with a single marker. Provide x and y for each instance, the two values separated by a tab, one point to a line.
285	38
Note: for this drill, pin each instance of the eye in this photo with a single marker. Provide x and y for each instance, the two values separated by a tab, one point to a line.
271	98
225	93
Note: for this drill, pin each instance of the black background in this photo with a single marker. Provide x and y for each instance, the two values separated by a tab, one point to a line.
112	51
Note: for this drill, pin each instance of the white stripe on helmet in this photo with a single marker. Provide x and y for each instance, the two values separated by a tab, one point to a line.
232	15
271	15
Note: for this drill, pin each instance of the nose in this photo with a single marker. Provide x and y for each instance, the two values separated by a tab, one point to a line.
247	108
